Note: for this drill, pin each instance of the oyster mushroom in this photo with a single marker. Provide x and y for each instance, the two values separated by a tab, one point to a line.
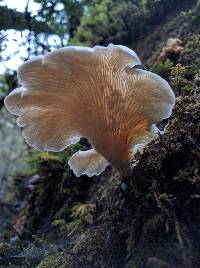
94	93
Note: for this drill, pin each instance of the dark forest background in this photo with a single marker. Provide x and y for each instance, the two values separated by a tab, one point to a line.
50	218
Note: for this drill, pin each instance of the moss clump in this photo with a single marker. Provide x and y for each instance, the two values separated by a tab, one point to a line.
179	81
163	68
55	260
79	214
191	55
5	248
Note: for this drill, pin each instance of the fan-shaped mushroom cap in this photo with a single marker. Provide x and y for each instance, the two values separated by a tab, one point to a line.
95	93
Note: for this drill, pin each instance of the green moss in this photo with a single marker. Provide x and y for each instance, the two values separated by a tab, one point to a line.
4	248
55	260
179	81
186	88
61	224
193	42
78	214
163	68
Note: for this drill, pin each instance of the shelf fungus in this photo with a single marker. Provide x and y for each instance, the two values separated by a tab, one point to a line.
98	93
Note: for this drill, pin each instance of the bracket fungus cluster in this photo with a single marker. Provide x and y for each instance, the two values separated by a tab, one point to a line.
97	93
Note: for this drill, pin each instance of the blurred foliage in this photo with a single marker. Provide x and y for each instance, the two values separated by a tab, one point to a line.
163	68
120	21
12	151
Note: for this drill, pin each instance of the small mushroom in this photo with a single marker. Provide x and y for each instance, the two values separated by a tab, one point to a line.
173	47
94	93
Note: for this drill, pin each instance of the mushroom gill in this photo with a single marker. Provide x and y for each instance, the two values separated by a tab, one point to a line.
94	93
